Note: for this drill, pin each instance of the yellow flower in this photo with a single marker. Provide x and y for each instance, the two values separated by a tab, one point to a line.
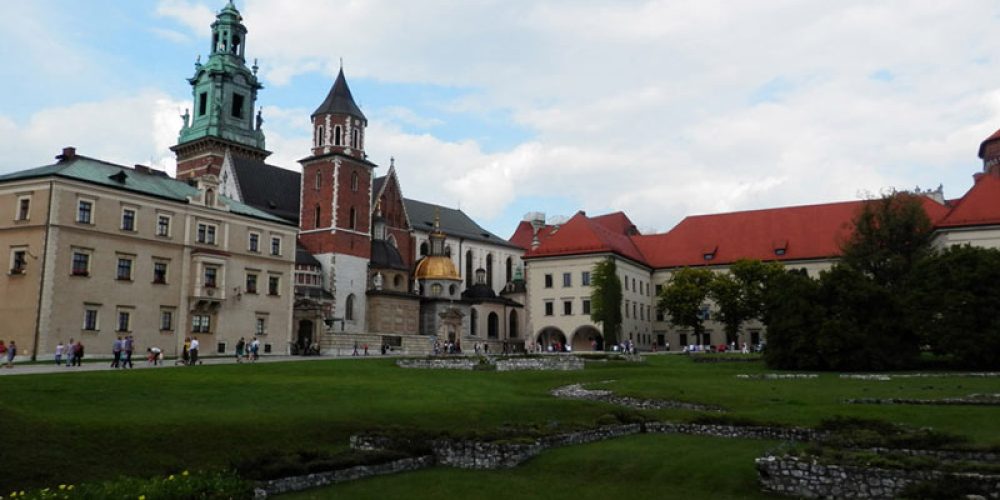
142	497
62	486
171	478
69	487
184	473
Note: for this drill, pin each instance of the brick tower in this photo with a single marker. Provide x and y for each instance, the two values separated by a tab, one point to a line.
334	222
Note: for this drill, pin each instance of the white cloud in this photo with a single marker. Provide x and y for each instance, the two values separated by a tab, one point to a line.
194	16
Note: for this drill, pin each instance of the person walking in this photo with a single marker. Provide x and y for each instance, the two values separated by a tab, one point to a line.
240	347
3	351
116	349
254	349
193	351
69	352
185	353
127	347
11	353
59	353
78	353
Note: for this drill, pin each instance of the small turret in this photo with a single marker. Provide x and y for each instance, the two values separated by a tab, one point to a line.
338	123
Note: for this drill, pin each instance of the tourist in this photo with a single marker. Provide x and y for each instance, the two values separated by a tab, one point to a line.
3	351
11	352
78	353
355	353
366	348
69	352
193	351
185	352
127	346
254	349
240	346
117	351
59	353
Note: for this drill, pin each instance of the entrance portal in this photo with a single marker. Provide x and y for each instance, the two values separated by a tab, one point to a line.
587	338
305	335
549	337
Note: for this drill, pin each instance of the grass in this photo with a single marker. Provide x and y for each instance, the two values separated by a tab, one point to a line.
153	422
653	467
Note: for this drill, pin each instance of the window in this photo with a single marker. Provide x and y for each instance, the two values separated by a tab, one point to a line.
273	284
567	280
23	208
633	285
585	278
626	308
128	219
659	315
254	242
206	234
779	251
211	276
166	320
237	108
349	307
355	138
548	281
567	307
319	136
549	308
159	273
201	323
319	179
436	289
261	325
90	319
354	181
423	248
124	269
642	313
124	321
163	225
336	136
18	261
353	219
251	284
633	309
275	245
202	103
658	289
316	217
586	306
81	264
85	212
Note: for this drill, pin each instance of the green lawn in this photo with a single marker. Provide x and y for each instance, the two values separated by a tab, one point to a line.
651	466
68	427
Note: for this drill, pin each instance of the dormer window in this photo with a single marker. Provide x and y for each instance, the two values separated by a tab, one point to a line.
779	251
708	252
779	246
708	256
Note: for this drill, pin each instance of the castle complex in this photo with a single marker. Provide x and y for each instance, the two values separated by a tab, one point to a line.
336	256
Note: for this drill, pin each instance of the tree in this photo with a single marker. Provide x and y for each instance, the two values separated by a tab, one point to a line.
606	299
739	294
954	305
891	234
792	313
683	298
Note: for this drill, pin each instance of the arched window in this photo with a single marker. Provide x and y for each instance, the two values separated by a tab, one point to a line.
209	198
489	271
353	219
354	181
473	319
447	251
319	136
336	136
451	290
355	138
512	331
319	179
316	224
492	325
468	269
349	308
510	270
423	249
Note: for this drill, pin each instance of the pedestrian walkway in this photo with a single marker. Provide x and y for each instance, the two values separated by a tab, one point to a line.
140	364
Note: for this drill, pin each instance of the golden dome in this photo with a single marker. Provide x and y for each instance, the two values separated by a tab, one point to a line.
436	267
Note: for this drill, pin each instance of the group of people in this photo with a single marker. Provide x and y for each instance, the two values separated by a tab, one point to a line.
71	352
7	353
247	351
122	350
448	347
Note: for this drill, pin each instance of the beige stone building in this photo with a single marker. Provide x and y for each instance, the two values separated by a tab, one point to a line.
99	251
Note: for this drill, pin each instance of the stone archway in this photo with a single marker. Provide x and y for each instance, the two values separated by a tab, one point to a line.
549	336
587	338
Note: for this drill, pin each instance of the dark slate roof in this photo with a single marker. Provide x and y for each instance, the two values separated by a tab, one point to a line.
272	189
386	256
454	223
340	100
377	187
90	170
479	291
304	258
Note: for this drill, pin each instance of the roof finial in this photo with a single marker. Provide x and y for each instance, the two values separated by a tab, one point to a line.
437	218
341	64
392	161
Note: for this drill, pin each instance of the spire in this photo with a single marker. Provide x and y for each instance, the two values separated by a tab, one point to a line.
340	100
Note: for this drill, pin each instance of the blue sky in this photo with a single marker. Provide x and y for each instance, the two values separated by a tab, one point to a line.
661	109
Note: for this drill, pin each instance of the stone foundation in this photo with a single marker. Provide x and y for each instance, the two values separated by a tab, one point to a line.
558	363
299	483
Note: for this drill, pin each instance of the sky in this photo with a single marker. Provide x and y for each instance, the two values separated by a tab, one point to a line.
661	109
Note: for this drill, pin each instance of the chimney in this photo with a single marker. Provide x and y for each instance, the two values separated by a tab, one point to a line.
143	169
68	153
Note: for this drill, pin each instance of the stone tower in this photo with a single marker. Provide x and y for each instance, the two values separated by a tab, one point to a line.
335	218
224	90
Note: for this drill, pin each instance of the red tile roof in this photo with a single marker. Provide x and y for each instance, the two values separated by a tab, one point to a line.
982	145
980	206
585	235
616	222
